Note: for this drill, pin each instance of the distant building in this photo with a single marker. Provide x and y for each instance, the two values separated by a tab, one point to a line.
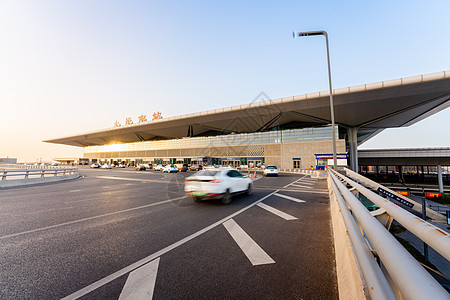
8	160
72	160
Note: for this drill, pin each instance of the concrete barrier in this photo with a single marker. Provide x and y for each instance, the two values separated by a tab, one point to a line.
317	174
350	282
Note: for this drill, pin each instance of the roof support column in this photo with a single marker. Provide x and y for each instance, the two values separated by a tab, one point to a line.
441	184
352	133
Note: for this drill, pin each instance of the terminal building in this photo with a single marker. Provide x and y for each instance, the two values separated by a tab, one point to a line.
291	133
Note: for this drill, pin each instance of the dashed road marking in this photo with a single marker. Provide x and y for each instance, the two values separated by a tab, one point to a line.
157	254
309	180
293	182
289	198
74	191
301	186
298	190
251	249
277	212
304	182
141	282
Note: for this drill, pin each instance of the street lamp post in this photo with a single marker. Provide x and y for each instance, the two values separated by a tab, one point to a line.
324	33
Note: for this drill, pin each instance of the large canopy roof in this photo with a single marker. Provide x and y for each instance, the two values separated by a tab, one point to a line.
370	107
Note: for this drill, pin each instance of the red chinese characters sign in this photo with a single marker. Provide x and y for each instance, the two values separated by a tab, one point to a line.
141	119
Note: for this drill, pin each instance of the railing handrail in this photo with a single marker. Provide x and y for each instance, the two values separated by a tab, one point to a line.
427	232
374	185
409	276
377	285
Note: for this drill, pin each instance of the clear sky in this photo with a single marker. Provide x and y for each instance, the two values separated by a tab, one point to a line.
68	67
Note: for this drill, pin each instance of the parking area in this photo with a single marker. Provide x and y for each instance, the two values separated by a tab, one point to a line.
120	232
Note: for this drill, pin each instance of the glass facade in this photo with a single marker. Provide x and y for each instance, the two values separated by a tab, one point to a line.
269	137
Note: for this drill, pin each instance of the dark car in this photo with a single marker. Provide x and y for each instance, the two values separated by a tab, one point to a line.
140	168
184	168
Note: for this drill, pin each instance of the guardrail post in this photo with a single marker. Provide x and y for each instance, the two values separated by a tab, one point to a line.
42	173
26	174
424	216
4	175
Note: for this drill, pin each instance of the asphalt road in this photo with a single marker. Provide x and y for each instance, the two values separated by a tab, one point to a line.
83	238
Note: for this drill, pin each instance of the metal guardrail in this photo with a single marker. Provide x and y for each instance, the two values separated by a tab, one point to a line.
27	173
427	232
374	185
399	275
29	166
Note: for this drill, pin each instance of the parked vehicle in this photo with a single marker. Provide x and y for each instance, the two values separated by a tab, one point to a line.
95	166
158	167
218	183
184	168
170	169
195	167
271	171
106	166
140	168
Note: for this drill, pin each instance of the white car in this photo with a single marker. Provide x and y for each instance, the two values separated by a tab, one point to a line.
217	184
271	171
95	166
170	169
158	167
106	166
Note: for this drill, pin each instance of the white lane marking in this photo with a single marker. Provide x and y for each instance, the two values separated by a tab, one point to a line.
159	253
141	282
304	183
277	212
293	182
129	184
289	198
301	186
74	191
90	218
251	249
106	187
309	180
302	191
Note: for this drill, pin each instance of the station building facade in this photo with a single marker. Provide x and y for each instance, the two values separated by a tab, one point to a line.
289	132
287	149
